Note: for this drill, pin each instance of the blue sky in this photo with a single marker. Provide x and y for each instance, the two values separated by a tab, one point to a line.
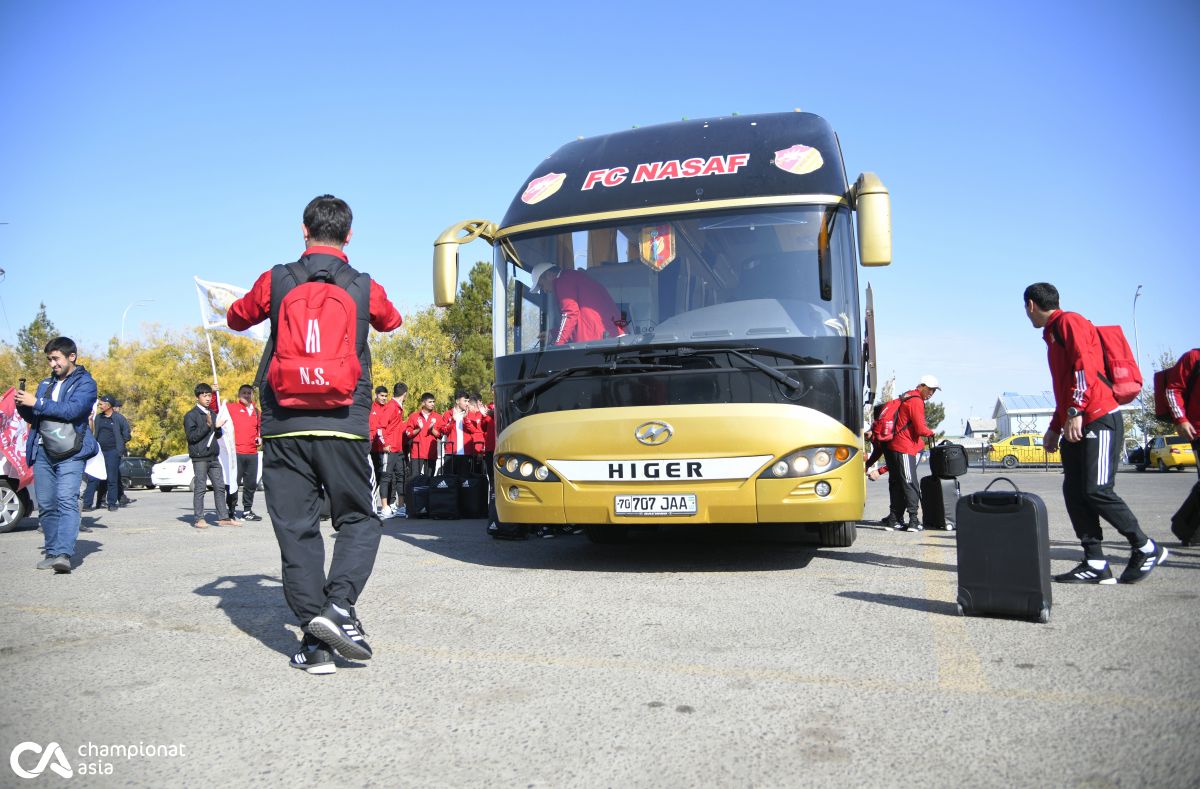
144	143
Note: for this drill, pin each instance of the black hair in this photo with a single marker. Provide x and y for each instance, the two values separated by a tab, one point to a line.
245	388
382	389
400	389
203	389
1044	295
428	396
64	345
328	220
461	393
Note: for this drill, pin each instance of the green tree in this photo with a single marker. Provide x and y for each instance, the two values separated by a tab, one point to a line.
468	322
934	414
420	353
31	344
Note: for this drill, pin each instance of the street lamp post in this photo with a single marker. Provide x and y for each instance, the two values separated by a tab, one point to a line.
131	305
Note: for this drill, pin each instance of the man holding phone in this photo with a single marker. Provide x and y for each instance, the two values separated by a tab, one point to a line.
59	444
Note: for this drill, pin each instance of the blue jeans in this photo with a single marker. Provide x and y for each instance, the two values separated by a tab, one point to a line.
58	501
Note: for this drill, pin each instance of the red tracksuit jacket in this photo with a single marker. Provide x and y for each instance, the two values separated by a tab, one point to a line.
588	311
1076	364
449	431
419	429
1185	405
246	422
910	424
383	426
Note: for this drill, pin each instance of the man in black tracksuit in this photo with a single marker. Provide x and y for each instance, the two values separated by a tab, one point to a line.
307	450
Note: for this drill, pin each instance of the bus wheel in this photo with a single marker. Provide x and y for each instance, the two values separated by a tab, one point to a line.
838	535
1010	461
607	533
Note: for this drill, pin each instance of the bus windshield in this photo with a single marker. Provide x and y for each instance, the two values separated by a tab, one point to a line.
740	276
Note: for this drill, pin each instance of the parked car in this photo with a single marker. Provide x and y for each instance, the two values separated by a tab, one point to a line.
1022	448
174	472
135	473
1167	452
15	504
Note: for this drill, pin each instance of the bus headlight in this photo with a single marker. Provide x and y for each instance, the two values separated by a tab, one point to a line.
524	468
810	461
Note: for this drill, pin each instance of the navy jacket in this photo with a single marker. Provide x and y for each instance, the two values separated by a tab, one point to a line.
74	405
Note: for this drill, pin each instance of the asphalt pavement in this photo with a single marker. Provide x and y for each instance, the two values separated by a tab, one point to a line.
684	658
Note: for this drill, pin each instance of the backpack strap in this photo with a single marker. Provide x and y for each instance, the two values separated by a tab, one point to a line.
299	275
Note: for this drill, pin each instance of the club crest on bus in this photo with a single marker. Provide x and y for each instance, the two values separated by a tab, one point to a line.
799	159
542	187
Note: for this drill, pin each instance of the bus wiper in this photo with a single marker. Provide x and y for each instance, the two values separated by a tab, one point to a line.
534	387
740	353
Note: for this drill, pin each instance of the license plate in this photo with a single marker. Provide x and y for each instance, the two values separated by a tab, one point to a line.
656	504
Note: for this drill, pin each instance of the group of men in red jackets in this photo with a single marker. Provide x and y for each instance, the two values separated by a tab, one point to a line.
405	447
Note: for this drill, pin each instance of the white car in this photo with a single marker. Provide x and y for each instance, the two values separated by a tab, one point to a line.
176	472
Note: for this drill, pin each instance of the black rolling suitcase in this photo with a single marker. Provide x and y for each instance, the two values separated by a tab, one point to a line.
473	496
1187	519
416	496
947	460
443	497
939	502
1003	554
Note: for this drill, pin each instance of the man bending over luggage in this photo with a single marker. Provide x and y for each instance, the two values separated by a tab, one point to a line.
1089	421
902	452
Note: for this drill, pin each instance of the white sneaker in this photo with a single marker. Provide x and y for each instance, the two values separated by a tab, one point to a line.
385	511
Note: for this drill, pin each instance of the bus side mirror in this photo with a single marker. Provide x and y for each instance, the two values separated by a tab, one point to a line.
445	256
874	208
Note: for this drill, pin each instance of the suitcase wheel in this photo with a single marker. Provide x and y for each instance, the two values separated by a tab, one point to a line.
961	610
1044	615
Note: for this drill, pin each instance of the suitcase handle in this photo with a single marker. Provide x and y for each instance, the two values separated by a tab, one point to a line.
998	501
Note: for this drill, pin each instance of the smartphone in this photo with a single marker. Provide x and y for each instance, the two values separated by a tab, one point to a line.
21	385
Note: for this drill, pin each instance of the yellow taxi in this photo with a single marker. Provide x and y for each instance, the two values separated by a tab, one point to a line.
1021	448
1167	452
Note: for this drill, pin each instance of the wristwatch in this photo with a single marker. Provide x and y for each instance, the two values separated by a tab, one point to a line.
1073	412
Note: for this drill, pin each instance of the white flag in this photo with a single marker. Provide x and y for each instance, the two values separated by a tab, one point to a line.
215	300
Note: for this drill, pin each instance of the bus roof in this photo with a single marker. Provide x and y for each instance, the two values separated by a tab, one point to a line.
694	161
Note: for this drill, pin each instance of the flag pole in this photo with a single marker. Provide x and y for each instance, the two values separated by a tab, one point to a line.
212	359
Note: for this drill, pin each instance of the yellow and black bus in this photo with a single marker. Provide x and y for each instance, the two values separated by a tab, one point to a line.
725	383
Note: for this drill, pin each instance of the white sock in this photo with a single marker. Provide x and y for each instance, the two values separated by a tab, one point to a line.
1097	564
341	611
1148	547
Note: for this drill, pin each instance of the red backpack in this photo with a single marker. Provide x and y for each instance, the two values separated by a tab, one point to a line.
1121	373
314	361
884	428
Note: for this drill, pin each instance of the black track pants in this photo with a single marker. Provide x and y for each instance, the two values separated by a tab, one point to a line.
1089	473
294	468
903	486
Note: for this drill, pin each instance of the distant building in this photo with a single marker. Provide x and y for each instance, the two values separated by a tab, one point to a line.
980	428
1017	413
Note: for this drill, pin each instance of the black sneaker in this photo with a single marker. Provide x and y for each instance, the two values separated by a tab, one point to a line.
314	657
341	630
251	515
113	508
1086	574
913	525
889	522
1140	564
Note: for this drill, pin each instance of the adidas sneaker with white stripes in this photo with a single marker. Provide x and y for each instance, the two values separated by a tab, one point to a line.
314	657
340	629
1086	574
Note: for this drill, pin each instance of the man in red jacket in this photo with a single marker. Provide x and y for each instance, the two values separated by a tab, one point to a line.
1183	397
1089	421
902	452
246	439
455	432
384	456
423	443
588	312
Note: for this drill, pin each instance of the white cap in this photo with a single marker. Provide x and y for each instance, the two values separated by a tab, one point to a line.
930	381
538	271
